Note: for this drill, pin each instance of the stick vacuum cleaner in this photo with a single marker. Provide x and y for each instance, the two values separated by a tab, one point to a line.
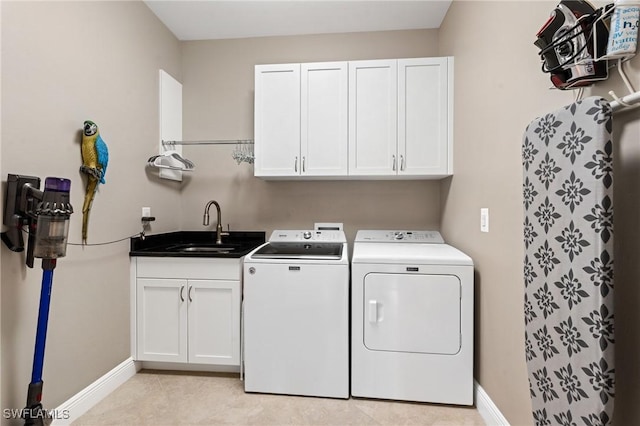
46	213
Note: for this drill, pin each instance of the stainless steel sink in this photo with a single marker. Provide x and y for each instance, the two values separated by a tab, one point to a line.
202	248
207	249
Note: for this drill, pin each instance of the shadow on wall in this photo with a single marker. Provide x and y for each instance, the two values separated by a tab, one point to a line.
477	315
626	206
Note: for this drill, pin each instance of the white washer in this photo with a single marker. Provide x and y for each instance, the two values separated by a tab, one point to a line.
296	315
412	318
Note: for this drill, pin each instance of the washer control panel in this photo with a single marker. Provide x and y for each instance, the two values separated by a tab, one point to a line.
375	236
291	236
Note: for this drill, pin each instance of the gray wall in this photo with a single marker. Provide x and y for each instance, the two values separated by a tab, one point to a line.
218	104
58	70
62	63
499	90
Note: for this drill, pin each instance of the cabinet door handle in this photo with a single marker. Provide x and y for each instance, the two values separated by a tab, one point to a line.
393	167
182	294
189	294
304	168
402	163
295	165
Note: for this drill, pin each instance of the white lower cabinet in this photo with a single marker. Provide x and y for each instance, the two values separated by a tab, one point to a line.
187	311
161	320
214	322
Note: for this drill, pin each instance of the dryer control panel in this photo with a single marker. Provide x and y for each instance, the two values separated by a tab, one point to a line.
291	236
375	236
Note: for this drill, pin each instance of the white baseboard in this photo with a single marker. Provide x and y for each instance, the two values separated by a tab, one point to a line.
81	402
487	409
176	366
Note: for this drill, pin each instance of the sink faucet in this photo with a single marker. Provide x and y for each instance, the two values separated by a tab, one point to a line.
205	220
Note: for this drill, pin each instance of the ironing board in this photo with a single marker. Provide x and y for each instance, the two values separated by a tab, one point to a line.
568	264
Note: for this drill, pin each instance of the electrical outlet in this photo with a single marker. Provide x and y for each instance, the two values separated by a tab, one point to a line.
146	212
484	220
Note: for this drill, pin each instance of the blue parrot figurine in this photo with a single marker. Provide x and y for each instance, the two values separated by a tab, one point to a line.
95	157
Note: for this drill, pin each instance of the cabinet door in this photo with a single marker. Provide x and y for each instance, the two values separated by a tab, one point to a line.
423	119
161	320
373	118
277	120
214	322
324	119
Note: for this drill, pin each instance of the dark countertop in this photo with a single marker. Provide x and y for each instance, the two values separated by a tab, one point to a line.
179	244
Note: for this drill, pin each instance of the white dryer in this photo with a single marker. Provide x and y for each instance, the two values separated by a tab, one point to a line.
411	318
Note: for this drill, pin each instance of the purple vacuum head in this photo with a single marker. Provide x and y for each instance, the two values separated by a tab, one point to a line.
57	184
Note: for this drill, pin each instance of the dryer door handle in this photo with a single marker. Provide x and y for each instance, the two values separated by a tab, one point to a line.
373	311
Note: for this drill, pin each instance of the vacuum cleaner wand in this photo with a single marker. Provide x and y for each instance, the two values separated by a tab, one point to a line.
34	413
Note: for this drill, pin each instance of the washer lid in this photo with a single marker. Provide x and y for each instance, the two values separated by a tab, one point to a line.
377	236
306	250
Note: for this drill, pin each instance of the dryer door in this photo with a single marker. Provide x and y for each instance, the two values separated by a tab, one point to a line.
412	313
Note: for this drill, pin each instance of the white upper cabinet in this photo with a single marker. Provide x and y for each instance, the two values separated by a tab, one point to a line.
301	120
424	117
399	118
323	139
277	120
373	113
379	119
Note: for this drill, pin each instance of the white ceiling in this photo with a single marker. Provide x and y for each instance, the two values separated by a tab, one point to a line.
219	19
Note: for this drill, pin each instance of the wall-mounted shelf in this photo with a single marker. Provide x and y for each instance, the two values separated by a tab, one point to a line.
170	127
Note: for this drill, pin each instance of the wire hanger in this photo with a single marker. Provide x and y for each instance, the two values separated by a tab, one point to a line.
243	152
171	160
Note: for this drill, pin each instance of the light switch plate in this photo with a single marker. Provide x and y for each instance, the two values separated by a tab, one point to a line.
484	220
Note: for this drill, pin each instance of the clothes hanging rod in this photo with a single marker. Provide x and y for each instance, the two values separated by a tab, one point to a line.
633	97
625	102
210	142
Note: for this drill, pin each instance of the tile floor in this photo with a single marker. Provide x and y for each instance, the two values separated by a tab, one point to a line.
173	398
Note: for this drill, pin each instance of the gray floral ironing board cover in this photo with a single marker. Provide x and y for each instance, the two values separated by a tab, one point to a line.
568	264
